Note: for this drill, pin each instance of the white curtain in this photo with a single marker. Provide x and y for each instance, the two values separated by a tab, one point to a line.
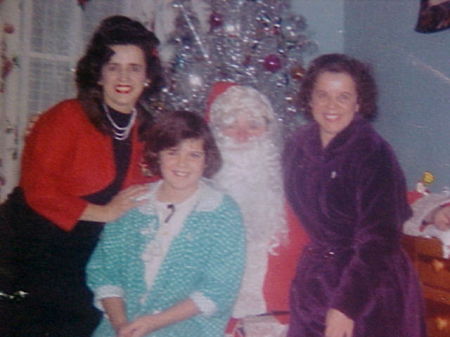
10	31
40	43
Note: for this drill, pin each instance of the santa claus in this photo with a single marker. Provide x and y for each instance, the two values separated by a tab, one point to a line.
248	136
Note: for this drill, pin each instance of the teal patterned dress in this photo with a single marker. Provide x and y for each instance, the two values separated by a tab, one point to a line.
204	262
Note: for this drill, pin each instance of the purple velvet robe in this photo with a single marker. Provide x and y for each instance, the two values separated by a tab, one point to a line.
351	199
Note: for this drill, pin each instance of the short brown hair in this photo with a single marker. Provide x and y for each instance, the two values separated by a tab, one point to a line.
171	129
339	63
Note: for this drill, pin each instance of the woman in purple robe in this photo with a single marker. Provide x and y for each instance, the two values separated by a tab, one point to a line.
345	184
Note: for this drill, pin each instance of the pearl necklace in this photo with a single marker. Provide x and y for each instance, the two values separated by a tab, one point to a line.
121	133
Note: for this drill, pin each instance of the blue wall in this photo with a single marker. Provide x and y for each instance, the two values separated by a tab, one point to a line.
412	70
413	74
325	20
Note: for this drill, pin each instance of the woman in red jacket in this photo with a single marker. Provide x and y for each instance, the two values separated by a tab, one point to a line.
80	169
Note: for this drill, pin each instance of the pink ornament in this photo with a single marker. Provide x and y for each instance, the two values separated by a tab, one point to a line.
8	28
272	63
247	60
7	67
215	20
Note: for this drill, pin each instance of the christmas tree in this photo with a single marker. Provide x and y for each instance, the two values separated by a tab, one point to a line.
259	43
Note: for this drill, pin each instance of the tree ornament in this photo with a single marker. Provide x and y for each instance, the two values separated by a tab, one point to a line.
8	28
82	3
272	63
195	81
276	29
297	72
232	29
215	20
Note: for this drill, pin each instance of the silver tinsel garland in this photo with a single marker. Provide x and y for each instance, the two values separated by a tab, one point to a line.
259	43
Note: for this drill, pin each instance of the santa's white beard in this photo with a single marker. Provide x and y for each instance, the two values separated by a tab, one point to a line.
251	174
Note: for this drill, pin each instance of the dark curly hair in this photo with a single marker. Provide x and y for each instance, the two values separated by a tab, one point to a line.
339	63
115	30
170	130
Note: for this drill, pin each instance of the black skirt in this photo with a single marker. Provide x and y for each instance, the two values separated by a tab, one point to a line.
43	288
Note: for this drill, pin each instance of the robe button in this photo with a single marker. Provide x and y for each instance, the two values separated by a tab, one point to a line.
330	254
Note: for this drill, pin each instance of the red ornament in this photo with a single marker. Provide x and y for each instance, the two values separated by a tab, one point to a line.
8	28
272	63
215	20
297	72
7	67
247	60
82	3
276	30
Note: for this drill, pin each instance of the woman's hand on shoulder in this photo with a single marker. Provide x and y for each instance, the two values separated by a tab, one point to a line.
337	324
120	203
125	200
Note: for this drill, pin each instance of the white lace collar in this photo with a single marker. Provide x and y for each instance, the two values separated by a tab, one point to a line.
209	197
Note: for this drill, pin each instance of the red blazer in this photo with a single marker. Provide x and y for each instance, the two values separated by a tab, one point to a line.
66	157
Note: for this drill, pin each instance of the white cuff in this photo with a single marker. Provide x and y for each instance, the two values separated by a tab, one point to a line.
204	304
105	292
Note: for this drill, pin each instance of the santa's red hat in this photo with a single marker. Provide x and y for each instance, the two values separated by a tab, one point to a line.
217	89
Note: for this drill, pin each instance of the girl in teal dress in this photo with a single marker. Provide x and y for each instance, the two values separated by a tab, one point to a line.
173	266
